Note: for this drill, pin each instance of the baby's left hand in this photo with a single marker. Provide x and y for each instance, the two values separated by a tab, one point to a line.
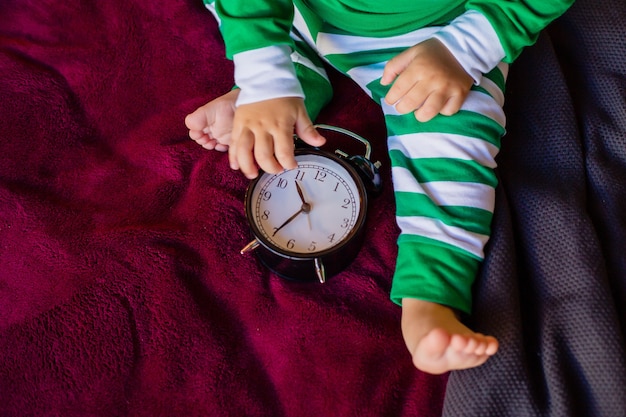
428	81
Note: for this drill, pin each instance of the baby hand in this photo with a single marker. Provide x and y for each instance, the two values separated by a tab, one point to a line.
263	134
428	81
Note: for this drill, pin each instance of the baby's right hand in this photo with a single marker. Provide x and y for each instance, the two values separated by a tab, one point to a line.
263	134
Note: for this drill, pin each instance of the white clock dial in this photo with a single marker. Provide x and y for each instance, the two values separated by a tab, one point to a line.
307	210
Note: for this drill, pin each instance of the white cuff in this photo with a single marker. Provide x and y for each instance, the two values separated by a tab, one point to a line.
473	42
266	73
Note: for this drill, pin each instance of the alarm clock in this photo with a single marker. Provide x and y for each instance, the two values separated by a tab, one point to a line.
307	222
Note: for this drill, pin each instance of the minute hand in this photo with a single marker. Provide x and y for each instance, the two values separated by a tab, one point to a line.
289	220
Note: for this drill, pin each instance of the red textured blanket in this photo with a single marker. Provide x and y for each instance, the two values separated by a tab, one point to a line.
122	290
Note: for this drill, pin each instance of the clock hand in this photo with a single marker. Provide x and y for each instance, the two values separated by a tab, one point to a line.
303	209
301	194
299	188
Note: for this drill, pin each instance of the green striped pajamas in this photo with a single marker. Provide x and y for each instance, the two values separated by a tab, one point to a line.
442	170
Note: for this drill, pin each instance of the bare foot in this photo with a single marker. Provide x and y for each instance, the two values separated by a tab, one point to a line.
211	125
439	342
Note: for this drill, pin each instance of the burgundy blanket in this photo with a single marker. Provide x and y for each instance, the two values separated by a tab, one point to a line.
122	290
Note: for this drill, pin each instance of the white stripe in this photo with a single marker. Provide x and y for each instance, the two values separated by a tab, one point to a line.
446	193
481	103
298	58
444	145
493	89
300	25
436	230
266	73
330	43
211	7
504	69
366	74
473	42
388	109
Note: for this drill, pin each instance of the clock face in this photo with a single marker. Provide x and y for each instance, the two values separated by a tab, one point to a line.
308	210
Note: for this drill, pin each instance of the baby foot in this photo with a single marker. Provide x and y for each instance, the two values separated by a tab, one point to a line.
439	342
211	125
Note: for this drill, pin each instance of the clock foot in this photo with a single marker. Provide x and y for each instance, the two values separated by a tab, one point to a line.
250	247
319	270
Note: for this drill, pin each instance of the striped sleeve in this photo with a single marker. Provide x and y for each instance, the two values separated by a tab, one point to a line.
257	39
518	23
247	25
473	42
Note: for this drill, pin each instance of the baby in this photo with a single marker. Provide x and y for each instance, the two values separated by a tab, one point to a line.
438	70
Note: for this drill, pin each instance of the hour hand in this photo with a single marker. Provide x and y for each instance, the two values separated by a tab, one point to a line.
306	207
300	193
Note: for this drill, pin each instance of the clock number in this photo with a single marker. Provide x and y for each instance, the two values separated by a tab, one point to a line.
336	187
311	247
300	175
345	224
320	175
282	183
291	243
331	238
346	203
267	195
265	215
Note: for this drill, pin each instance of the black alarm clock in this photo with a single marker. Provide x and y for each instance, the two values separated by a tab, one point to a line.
307	222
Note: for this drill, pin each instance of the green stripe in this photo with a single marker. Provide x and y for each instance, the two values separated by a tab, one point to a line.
434	271
305	50
377	90
444	169
497	77
433	243
345	62
472	219
317	90
464	123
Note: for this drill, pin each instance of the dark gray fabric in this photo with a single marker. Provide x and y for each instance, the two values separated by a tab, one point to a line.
553	286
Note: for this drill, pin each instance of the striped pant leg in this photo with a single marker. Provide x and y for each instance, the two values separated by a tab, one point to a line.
443	172
444	185
308	65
